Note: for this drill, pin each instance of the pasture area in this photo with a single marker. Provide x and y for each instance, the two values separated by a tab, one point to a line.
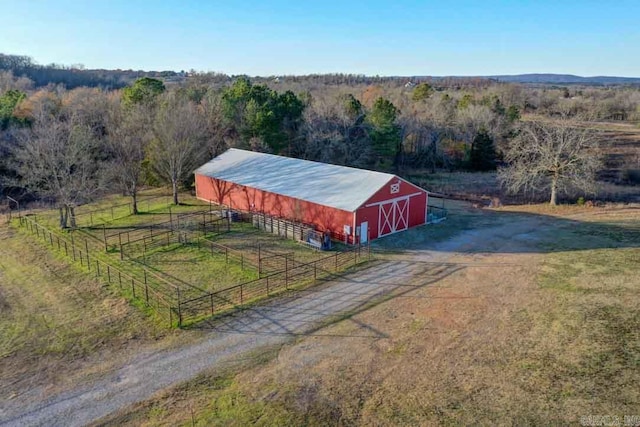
166	254
194	264
535	323
58	322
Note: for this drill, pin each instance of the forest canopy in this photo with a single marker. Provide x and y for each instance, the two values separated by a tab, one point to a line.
155	127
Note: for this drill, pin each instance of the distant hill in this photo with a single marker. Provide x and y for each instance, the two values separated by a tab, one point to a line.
75	76
566	79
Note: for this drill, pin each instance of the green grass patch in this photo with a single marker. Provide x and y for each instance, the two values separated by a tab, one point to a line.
54	314
197	265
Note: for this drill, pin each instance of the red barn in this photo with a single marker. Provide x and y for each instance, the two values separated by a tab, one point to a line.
354	203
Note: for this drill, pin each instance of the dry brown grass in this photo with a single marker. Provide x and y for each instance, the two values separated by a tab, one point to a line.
541	334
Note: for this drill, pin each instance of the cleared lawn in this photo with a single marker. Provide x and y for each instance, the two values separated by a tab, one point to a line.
193	264
542	329
196	265
55	318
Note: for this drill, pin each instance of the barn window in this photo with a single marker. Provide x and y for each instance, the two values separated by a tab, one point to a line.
395	188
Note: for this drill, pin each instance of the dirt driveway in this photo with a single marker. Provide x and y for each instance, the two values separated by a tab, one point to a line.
276	322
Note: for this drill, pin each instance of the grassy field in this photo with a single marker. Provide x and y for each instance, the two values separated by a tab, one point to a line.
484	185
196	265
56	318
620	145
167	252
543	332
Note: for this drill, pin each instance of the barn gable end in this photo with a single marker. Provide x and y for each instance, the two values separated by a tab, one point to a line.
397	206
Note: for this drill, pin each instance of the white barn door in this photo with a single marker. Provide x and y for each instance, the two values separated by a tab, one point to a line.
364	232
393	216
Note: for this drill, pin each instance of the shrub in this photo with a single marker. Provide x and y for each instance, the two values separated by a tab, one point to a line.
631	176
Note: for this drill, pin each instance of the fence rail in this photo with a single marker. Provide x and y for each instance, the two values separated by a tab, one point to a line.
113	212
187	305
294	276
436	214
141	289
190	221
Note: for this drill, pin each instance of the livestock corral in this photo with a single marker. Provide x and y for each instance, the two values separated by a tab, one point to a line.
189	261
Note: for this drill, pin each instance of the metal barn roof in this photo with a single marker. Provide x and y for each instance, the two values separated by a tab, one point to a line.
340	187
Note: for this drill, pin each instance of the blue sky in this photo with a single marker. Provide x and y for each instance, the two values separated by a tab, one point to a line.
299	37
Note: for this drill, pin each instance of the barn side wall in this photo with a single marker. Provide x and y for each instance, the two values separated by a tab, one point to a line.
417	205
250	199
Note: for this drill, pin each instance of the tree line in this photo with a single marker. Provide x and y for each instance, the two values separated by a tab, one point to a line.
70	146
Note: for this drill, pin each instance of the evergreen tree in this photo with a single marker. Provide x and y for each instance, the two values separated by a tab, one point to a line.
483	152
385	135
8	103
142	92
422	92
255	113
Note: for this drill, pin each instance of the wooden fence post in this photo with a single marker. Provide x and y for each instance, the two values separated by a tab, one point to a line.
146	287
133	287
104	233
179	309
86	250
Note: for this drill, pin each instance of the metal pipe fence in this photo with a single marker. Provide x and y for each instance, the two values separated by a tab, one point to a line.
143	289
114	212
293	276
188	305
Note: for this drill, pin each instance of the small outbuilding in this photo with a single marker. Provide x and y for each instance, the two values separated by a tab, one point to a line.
354	205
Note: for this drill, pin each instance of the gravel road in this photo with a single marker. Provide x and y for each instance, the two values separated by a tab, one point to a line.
279	320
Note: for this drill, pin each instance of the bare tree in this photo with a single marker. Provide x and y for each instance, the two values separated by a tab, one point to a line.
217	138
129	136
8	81
551	157
333	135
421	141
178	146
56	160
